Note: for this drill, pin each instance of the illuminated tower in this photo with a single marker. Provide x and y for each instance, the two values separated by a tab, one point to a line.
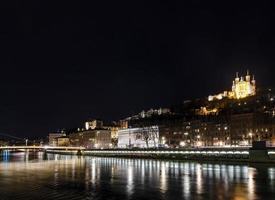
233	86
247	77
237	79
253	82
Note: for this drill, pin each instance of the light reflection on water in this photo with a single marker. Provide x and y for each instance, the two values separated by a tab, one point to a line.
46	176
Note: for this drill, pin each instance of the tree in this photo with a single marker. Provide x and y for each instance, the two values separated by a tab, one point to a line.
148	134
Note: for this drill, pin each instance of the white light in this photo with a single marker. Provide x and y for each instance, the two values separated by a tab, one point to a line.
182	143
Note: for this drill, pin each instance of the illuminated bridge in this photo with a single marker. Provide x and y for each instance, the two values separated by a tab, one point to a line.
32	147
39	148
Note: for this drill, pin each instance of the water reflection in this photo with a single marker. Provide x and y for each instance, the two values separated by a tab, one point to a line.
29	175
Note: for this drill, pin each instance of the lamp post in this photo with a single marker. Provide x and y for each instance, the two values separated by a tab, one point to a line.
250	137
163	140
199	143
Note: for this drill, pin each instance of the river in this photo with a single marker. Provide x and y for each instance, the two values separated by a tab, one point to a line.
40	176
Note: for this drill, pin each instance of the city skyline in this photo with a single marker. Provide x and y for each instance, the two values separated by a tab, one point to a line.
60	68
152	109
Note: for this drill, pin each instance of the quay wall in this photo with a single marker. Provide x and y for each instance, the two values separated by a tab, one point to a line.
205	154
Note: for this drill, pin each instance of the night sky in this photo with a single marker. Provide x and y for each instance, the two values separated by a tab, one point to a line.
64	62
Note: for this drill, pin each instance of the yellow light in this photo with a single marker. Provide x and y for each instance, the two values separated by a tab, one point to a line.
199	143
241	88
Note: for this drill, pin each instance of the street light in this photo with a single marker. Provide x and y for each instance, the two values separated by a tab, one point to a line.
163	140
250	135
182	143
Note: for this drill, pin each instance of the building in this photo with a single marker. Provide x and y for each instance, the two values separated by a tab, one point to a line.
3	143
194	133
96	134
248	127
242	87
149	113
241	128
95	138
93	124
53	138
144	137
123	124
113	127
63	141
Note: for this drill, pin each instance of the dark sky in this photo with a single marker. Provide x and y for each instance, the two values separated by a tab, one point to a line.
64	62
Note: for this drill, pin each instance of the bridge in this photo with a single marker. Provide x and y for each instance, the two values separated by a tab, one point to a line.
33	147
39	148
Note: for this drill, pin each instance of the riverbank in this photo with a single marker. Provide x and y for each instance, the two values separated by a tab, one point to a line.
206	154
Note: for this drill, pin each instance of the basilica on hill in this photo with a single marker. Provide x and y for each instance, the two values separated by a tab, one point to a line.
242	87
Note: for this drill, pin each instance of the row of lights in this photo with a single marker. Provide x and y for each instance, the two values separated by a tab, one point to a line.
199	143
169	152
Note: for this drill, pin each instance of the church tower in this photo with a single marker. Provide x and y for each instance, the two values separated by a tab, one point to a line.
247	77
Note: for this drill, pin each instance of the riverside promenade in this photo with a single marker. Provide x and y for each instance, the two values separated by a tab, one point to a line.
256	153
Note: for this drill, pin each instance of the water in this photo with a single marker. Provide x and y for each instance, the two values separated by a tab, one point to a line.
39	176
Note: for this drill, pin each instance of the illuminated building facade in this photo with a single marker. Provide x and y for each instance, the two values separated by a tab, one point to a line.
53	138
63	141
142	137
205	111
95	138
194	133
242	87
150	113
93	124
248	127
